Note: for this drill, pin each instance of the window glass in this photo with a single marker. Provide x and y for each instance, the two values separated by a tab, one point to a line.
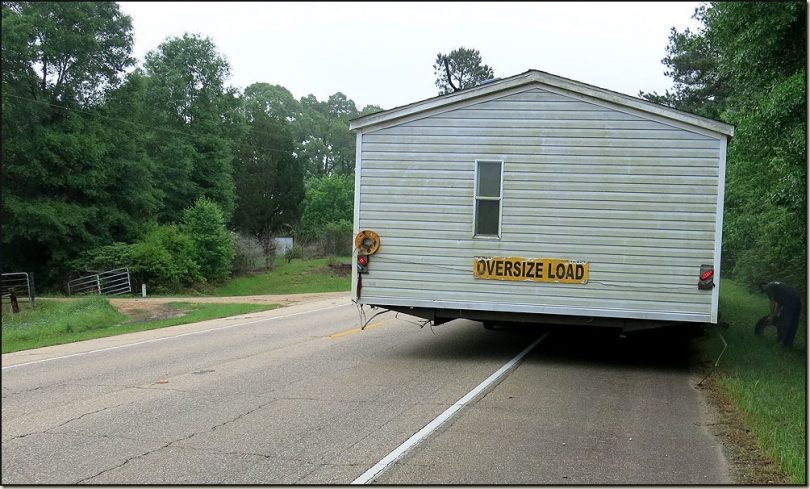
488	198
489	179
487	217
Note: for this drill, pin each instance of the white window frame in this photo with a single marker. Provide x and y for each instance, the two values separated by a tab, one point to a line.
476	198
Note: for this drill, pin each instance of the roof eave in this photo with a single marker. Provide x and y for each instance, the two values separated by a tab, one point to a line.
548	79
438	101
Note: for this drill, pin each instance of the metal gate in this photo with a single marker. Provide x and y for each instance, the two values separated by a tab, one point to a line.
20	282
111	282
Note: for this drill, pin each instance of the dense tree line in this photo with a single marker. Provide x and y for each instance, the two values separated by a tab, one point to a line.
746	65
101	154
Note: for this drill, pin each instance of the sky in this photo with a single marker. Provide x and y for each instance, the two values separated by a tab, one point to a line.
383	53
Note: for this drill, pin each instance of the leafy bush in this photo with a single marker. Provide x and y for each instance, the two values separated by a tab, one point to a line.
164	259
107	257
326	221
173	257
213	244
328	199
337	238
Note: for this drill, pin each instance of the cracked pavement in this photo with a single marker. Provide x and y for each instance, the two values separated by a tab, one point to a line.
278	401
268	402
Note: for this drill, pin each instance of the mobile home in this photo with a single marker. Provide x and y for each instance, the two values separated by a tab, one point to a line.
540	199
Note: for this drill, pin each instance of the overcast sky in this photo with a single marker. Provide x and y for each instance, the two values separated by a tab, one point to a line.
383	53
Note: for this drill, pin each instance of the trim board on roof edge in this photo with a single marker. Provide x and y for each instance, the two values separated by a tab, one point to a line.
533	76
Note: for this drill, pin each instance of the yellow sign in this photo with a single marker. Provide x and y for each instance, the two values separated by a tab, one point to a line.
530	269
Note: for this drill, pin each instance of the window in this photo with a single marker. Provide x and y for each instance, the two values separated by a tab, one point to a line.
488	188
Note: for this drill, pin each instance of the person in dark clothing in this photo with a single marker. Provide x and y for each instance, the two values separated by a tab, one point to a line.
785	307
763	322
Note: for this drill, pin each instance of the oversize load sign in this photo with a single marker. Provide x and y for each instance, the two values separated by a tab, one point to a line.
530	269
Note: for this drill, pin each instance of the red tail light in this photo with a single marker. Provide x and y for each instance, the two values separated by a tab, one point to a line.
706	277
362	264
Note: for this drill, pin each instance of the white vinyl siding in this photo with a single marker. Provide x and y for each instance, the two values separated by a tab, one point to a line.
634	197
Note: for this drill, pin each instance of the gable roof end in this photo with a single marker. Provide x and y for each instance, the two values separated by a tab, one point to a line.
536	76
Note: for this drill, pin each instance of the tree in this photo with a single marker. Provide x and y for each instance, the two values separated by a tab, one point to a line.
328	213
164	258
198	122
274	101
328	199
213	244
325	145
370	109
71	52
699	87
94	156
460	69
269	179
71	180
762	50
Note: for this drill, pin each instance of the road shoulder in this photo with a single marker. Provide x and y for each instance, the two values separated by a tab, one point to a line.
292	304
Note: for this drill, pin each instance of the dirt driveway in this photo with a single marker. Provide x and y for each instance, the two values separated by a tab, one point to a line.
155	307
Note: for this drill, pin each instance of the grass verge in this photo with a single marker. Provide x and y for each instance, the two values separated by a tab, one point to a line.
296	277
56	323
766	383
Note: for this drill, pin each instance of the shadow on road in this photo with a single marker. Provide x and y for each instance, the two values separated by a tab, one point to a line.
463	340
665	348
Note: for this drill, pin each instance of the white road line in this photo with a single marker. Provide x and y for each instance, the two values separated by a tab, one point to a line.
369	475
170	337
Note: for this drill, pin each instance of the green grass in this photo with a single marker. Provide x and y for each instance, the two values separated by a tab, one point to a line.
56	323
766	382
296	277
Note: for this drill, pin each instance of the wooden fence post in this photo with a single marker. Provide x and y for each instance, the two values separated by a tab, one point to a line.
15	307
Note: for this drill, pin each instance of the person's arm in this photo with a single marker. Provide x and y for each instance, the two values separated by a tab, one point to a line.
776	309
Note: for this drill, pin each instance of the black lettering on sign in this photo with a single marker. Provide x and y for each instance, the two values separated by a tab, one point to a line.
530	269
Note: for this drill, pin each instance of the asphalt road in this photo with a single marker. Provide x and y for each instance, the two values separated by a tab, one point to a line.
299	396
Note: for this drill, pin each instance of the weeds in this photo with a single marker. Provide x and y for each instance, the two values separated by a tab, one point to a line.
766	382
294	277
57	322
